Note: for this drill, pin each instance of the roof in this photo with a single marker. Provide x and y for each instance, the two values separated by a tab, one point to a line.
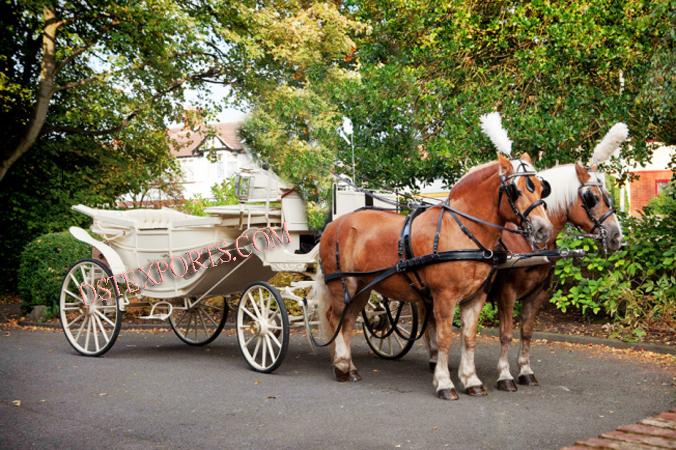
185	141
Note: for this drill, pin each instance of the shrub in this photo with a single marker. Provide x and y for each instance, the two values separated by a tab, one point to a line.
635	286
42	266
223	194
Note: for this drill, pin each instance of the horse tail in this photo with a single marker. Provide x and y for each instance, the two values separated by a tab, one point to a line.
321	296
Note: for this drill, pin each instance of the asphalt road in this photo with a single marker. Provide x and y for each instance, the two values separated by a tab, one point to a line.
152	391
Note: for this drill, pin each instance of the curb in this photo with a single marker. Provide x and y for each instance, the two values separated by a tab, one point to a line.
554	337
576	339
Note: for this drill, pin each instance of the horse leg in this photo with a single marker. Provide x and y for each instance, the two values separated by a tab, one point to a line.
531	306
469	313
430	338
505	298
443	317
344	368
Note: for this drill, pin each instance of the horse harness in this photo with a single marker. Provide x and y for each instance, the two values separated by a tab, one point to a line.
408	263
589	201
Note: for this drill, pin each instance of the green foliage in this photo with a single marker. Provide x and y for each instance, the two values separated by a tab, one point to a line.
560	72
223	194
636	285
42	266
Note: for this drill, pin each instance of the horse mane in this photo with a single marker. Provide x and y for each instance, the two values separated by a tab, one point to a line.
565	185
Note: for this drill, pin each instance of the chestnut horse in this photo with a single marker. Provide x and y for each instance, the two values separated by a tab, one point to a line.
367	240
578	197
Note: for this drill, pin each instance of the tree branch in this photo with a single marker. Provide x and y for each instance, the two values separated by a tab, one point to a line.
45	92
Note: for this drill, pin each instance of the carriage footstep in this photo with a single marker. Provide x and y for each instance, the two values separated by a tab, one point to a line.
507	385
447	394
528	380
476	391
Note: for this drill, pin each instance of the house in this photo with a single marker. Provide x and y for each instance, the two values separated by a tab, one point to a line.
648	180
208	154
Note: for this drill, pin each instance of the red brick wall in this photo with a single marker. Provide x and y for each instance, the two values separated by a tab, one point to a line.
644	189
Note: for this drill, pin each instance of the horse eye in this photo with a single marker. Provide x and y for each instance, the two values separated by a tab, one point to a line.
530	185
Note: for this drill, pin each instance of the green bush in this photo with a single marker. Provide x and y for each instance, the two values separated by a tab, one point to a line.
635	286
223	194
42	266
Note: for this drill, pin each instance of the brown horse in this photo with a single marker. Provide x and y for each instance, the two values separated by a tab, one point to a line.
367	240
578	197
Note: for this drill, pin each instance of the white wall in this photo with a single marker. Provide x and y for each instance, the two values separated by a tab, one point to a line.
199	174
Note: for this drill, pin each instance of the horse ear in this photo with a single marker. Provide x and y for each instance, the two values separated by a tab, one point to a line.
505	164
526	157
582	173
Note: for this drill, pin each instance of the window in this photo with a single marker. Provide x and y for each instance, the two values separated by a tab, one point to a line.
660	185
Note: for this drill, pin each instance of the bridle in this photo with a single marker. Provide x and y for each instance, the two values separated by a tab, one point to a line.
589	201
509	188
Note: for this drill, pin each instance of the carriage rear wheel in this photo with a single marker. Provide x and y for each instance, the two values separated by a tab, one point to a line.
201	323
390	326
262	327
90	321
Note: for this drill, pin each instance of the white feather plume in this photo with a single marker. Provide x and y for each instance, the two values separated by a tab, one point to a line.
491	124
610	142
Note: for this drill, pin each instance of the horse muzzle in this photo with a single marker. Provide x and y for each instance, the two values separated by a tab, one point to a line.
614	237
541	231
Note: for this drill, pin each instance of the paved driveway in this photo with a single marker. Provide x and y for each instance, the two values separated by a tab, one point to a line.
152	391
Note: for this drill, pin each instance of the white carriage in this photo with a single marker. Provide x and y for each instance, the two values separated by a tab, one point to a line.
194	302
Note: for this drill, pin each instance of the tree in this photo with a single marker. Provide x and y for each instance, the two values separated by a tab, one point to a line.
561	73
87	89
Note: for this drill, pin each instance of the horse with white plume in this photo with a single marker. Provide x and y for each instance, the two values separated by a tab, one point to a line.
578	197
357	246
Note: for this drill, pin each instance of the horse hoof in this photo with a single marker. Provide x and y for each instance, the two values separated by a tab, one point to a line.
340	375
476	391
528	380
433	366
354	376
447	394
507	385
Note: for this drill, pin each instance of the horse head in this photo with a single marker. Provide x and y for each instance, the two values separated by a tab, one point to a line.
523	191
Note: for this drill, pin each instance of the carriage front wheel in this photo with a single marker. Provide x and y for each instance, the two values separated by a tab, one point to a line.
262	327
89	309
201	322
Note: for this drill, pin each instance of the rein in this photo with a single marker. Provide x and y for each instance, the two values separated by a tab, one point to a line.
409	263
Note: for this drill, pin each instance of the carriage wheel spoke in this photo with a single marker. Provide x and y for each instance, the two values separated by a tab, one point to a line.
73	295
249	313
258	344
396	338
72	322
255	307
86	346
275	340
272	352
204	325
104	317
103	330
248	341
96	334
265	352
208	316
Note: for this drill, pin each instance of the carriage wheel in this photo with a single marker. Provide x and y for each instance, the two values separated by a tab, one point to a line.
262	327
91	326
390	326
202	323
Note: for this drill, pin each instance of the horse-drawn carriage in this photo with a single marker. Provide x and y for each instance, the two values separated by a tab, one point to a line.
267	232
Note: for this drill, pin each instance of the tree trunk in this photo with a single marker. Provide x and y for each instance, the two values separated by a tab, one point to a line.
45	92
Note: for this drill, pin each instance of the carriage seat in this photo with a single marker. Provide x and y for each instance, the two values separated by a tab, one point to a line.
145	219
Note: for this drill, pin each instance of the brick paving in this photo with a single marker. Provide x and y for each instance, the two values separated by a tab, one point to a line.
653	433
